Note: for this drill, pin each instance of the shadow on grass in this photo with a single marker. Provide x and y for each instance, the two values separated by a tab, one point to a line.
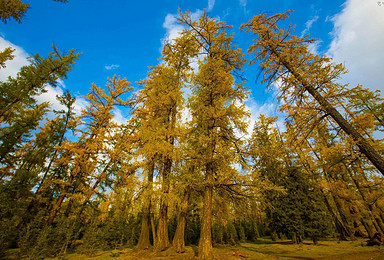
285	242
270	242
281	253
271	251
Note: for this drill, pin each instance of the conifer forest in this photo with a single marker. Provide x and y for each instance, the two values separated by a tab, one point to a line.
185	170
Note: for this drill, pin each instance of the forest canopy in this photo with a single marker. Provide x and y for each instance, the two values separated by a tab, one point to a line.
183	169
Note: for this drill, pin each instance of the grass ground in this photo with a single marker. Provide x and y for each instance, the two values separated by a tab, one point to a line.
262	249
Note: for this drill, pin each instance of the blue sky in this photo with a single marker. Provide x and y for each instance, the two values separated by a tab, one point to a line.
125	37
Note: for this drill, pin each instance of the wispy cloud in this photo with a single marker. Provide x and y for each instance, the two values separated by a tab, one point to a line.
269	108
243	3
112	66
308	25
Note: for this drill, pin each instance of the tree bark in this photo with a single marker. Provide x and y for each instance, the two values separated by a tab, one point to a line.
368	228
179	240
339	226
144	242
378	223
162	238
365	148
343	218
60	200
205	242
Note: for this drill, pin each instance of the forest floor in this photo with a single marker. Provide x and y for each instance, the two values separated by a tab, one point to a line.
262	249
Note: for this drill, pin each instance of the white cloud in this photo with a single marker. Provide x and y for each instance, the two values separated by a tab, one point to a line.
50	96
12	66
358	42
268	109
211	4
112	66
173	28
118	117
80	104
243	3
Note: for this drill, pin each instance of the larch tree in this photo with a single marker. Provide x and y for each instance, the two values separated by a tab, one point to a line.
161	104
217	109
85	153
19	111
42	155
287	58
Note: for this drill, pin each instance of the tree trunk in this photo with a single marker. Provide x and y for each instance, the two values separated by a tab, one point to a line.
205	242
339	226
365	148
144	242
60	200
153	227
368	228
162	238
380	224
343	218
178	239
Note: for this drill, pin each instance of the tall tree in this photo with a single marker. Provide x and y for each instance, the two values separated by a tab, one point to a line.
162	102
19	111
217	108
287	58
86	151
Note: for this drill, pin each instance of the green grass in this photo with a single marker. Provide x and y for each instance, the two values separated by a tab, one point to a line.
261	249
307	250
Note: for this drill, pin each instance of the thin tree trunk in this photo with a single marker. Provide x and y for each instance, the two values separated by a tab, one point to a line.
343	218
205	242
100	178
60	200
379	224
179	239
339	226
153	227
368	228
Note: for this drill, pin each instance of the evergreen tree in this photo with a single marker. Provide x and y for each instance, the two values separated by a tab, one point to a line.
300	211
